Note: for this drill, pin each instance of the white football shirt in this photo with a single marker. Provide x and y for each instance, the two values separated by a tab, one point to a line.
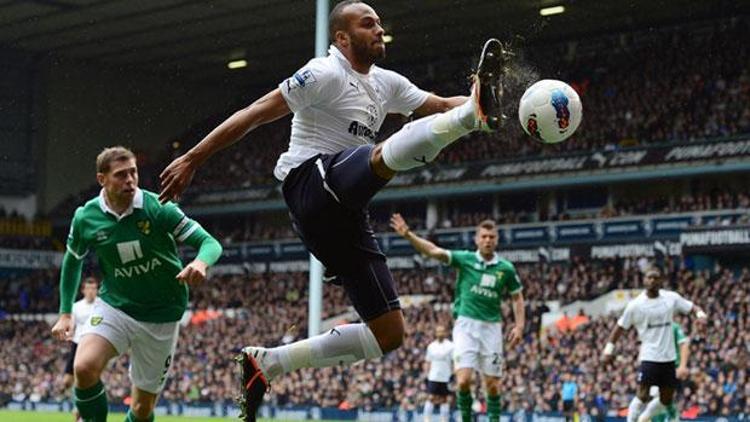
440	356
652	317
336	107
81	313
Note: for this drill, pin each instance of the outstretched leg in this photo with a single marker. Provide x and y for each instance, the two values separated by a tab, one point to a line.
419	142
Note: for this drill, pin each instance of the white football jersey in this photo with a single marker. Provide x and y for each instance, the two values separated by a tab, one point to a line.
336	107
440	356
81	313
652	317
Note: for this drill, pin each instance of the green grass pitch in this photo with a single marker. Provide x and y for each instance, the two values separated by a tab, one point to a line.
21	416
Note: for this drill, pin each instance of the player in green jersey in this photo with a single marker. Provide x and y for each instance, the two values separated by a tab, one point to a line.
144	287
483	279
682	349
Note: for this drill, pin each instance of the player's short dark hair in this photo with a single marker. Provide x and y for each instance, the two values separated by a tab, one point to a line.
336	21
487	224
90	280
653	269
109	155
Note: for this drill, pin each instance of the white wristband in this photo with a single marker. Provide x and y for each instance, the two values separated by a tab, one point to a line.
702	315
609	348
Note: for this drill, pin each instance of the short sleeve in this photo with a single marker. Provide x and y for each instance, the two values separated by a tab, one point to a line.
171	219
428	355
405	96
76	244
457	259
626	320
512	279
683	305
314	83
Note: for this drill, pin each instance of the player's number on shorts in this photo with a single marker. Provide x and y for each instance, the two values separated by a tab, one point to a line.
496	358
166	369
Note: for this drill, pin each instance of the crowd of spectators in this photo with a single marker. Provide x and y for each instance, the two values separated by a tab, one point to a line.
203	371
277	225
677	84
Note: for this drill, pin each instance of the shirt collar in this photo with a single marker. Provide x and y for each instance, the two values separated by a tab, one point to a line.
335	52
493	261
137	203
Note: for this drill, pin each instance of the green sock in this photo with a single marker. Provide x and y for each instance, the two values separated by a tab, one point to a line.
464	405
493	408
91	403
130	417
672	412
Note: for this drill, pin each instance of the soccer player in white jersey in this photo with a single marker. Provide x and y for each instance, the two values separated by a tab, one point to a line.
651	313
81	313
332	169
440	357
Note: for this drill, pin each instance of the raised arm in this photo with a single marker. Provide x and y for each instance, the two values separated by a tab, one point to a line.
178	174
423	246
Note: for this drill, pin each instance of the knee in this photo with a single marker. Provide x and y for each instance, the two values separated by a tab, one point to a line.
142	409
377	163
391	339
389	330
665	399
463	382
493	388
86	373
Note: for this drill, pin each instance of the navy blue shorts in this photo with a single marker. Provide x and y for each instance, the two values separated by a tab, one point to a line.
662	374
438	388
327	197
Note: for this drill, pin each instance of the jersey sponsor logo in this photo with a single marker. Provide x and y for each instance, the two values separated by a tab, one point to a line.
129	251
96	320
138	269
144	226
358	129
481	291
658	324
300	79
488	281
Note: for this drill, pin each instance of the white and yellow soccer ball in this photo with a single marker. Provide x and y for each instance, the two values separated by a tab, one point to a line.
550	111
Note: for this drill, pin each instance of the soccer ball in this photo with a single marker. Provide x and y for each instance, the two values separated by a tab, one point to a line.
550	111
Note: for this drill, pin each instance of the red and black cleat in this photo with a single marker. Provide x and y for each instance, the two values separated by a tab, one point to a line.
254	386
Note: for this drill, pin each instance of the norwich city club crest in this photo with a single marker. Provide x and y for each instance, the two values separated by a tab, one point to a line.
96	320
144	226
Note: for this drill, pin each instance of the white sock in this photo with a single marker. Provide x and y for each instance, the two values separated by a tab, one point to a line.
445	412
653	408
634	409
420	141
427	412
341	345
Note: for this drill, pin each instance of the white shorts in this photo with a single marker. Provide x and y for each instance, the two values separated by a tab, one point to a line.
151	345
478	345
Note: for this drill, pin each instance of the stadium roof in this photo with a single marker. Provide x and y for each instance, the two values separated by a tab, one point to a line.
199	37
